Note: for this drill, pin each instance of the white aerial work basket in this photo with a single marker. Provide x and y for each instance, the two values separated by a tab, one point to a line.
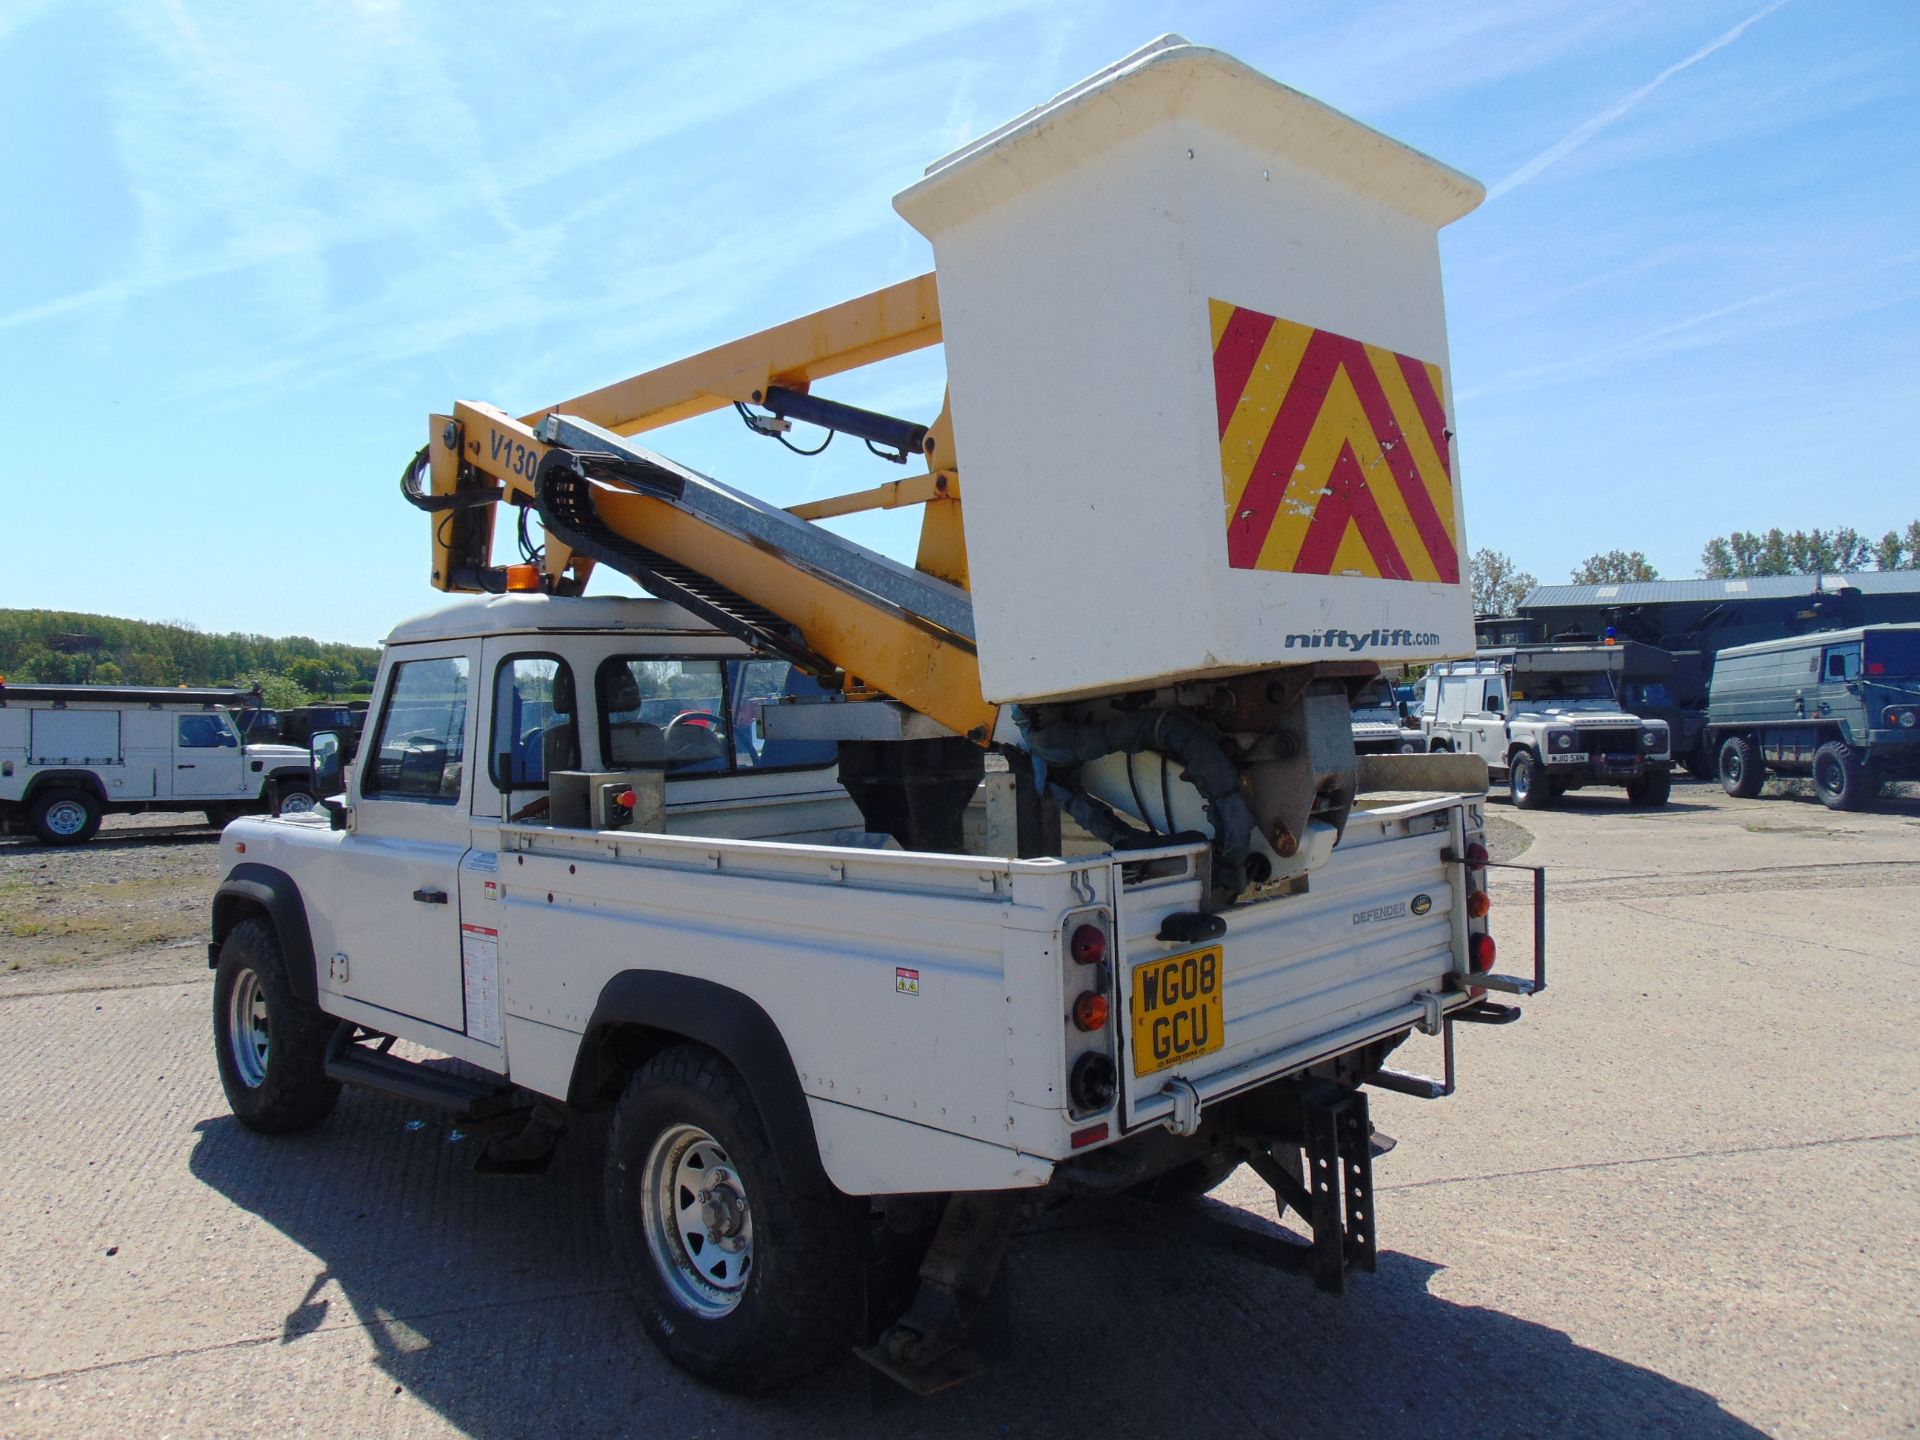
1197	356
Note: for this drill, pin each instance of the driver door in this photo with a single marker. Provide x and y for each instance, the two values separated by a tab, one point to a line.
390	934
207	762
1488	721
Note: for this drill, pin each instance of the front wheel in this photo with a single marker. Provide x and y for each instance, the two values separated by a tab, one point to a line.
1652	789
1742	772
1530	791
744	1274
1840	777
271	1046
295	799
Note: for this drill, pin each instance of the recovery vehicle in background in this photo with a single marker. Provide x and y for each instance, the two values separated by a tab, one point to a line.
733	861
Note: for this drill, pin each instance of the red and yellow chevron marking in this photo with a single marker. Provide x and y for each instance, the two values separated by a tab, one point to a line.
1333	453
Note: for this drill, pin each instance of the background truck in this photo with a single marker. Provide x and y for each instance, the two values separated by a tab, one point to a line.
1842	707
70	754
707	860
1547	720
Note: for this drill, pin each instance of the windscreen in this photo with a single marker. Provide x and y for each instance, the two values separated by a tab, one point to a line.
1562	685
1891	655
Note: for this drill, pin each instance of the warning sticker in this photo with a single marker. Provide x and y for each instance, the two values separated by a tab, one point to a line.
1336	456
905	981
480	972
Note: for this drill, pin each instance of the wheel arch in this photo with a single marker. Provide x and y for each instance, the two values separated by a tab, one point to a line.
252	890
66	780
642	1012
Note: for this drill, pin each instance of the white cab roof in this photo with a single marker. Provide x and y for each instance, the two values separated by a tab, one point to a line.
545	614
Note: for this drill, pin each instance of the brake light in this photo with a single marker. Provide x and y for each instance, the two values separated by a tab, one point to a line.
1477	856
1481	948
1090	1011
1478	904
1089	945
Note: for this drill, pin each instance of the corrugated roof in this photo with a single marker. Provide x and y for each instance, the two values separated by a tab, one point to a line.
1756	587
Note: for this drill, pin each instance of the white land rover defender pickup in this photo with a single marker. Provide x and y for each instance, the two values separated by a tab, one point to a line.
1546	720
714	861
70	754
580	854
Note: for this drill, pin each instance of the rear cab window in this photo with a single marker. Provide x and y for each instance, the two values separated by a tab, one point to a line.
536	721
698	716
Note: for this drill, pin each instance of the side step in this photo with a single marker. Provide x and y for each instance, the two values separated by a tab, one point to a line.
464	1097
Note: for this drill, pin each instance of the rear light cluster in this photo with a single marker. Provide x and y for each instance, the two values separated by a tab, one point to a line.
1093	1076
1480	947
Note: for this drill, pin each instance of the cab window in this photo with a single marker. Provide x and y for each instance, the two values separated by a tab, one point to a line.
420	751
536	724
1495	701
1843	662
204	732
666	713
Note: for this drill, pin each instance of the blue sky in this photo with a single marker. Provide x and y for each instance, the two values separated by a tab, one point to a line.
249	248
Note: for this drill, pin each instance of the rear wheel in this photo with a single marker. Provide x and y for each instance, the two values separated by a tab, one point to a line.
1530	790
1840	777
65	817
1652	789
271	1045
1742	772
744	1274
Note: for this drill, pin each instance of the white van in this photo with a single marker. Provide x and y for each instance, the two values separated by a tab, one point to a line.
70	754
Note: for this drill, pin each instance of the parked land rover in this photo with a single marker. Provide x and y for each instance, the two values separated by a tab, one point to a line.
1380	722
1842	706
70	754
1548	720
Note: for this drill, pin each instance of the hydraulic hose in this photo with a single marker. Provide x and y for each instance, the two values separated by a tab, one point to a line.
1187	740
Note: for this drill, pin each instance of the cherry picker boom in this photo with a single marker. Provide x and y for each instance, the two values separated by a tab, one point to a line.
1194	520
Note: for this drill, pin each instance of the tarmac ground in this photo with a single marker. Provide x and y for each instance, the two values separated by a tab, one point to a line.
1681	1197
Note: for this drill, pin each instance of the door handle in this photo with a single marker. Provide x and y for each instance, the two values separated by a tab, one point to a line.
431	897
183	767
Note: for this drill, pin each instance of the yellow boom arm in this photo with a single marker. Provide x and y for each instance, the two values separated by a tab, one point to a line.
904	634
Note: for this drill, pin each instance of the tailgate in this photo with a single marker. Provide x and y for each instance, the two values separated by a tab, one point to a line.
1302	977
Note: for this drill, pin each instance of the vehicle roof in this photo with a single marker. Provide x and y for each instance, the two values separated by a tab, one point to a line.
485	615
1752	587
1817	638
197	697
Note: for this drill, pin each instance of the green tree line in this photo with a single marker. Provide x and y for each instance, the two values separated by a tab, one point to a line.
59	647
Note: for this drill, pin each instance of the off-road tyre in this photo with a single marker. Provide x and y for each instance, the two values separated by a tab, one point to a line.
1528	786
1651	790
800	1302
64	815
286	1087
1841	778
1742	771
294	797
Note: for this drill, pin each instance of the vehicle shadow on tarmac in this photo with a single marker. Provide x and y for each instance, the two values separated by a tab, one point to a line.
491	1300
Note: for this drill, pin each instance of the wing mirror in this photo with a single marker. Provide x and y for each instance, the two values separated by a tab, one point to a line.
326	760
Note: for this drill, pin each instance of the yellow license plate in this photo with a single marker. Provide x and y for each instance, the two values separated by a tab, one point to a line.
1177	1010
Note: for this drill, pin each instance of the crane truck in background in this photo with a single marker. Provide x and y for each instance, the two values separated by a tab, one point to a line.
705	859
